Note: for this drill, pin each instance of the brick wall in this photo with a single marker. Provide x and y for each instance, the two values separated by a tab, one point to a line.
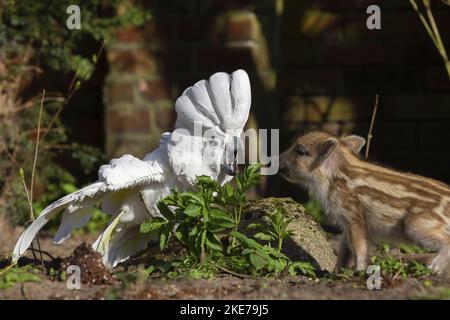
314	66
186	41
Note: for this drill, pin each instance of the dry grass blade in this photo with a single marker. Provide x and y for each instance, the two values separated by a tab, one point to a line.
372	122
33	175
36	151
432	30
440	44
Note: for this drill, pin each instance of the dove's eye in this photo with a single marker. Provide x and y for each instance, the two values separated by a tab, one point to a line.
213	141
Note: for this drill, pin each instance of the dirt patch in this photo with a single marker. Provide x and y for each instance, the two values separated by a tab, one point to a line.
90	263
297	287
129	285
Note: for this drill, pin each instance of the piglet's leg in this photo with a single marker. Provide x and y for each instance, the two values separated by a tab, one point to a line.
359	245
344	258
429	230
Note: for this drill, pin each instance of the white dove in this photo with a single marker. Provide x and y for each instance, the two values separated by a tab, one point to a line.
129	189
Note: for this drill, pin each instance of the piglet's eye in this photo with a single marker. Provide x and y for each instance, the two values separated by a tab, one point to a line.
302	151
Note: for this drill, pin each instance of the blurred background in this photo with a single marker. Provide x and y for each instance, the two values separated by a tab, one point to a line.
111	86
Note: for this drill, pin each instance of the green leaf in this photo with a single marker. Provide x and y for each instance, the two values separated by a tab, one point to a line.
152	225
197	243
257	261
257	226
182	233
229	191
212	242
165	211
193	210
190	197
218	218
304	268
247	251
250	242
207	183
166	234
264	236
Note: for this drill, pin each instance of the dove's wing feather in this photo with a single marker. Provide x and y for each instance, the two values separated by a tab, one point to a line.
123	173
49	212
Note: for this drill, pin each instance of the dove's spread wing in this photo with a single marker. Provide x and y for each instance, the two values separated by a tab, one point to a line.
126	172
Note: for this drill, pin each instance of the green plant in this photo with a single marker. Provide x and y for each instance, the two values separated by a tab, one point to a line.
33	41
207	224
277	228
393	267
9	277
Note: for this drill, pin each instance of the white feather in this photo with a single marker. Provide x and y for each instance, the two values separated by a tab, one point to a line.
129	188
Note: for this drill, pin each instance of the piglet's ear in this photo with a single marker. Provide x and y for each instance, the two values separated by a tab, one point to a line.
326	149
354	142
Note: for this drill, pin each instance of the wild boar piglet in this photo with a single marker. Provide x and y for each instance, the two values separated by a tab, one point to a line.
370	202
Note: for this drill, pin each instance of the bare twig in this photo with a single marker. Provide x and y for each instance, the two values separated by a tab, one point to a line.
239	275
369	135
43	252
418	257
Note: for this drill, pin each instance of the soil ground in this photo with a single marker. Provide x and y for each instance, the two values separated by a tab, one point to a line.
129	285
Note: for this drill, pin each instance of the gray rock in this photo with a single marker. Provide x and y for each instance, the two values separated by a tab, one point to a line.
309	242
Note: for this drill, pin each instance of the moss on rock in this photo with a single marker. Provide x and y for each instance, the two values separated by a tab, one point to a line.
309	242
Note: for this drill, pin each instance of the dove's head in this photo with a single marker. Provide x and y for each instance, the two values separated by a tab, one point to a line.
233	148
221	151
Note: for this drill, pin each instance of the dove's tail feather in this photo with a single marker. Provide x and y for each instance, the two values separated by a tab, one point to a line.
81	199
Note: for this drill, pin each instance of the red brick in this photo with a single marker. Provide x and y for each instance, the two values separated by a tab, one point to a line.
120	92
137	61
134	121
165	119
239	30
138	145
155	90
131	34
